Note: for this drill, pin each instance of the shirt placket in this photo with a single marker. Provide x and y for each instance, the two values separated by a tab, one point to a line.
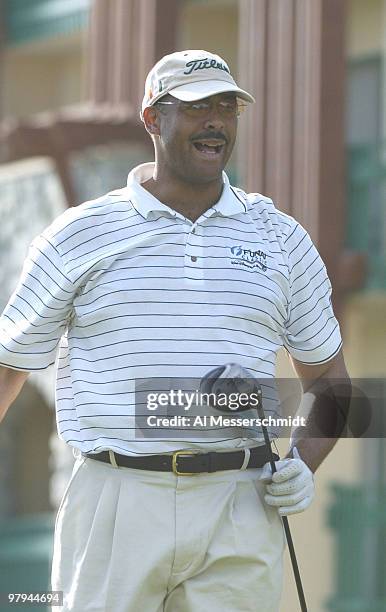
194	254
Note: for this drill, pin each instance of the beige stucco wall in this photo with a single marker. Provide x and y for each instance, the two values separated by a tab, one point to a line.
365	323
42	76
364	29
211	26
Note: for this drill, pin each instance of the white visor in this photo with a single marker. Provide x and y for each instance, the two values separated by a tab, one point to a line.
204	89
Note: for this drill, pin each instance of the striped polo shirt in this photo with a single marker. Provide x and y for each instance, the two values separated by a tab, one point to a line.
129	289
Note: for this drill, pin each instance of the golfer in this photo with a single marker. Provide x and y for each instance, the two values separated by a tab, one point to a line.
175	274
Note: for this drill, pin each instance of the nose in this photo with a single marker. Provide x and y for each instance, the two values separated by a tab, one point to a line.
214	121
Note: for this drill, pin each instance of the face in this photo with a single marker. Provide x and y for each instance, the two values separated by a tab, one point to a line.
194	142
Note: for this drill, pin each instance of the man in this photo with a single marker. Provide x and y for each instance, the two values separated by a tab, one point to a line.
170	277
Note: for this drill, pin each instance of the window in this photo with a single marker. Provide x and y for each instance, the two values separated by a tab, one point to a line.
366	168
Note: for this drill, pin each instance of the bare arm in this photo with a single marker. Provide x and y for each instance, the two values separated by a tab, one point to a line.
315	380
11	383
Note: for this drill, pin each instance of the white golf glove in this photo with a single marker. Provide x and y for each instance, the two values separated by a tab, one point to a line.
291	489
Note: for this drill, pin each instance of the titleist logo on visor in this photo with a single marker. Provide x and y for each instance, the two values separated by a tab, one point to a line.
201	64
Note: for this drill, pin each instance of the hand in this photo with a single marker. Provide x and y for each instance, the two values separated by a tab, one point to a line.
291	489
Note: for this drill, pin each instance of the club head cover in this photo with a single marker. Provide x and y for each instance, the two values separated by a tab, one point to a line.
228	379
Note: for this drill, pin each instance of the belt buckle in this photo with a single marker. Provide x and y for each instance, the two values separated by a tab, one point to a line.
176	454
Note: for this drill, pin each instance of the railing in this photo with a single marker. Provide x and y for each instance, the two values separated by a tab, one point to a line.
26	546
366	221
358	519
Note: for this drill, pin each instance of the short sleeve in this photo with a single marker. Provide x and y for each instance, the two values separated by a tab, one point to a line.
312	333
38	311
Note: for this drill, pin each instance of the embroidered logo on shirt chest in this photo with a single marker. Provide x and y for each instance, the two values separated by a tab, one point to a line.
248	258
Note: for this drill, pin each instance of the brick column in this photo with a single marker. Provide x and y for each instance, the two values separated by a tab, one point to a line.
292	59
126	38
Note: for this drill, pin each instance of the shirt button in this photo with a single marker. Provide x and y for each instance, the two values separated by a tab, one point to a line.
194	230
193	258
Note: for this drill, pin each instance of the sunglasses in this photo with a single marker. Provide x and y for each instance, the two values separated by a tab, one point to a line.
200	108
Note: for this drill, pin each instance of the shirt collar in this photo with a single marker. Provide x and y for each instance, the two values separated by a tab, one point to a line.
230	203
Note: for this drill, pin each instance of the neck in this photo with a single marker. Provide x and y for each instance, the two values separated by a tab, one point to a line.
189	199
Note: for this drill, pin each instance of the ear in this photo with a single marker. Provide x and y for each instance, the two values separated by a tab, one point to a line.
151	120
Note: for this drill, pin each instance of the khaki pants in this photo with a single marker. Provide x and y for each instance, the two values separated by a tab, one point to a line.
129	540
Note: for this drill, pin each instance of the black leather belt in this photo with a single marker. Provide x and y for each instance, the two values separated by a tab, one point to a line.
188	463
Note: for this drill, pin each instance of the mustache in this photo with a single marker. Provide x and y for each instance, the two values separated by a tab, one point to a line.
209	135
